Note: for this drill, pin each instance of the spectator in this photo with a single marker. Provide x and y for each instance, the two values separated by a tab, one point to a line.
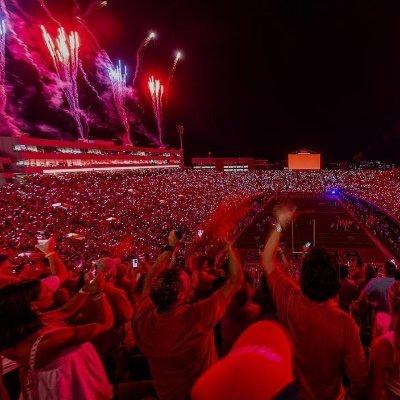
176	336
240	314
358	272
377	289
347	292
113	344
369	273
55	362
384	364
325	339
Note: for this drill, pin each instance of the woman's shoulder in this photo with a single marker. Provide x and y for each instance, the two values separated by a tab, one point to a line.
382	348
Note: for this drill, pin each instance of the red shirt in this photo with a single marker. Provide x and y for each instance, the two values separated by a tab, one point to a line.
325	339
178	344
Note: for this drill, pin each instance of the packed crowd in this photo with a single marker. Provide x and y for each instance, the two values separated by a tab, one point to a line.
378	222
90	265
127	213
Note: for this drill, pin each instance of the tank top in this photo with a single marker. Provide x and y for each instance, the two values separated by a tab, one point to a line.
77	373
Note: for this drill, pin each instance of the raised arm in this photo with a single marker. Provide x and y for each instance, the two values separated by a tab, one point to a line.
61	339
162	261
236	278
57	266
284	216
76	302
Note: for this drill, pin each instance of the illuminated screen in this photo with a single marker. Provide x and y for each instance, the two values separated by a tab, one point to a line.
304	161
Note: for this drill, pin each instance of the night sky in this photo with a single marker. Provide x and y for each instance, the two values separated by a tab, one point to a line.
266	77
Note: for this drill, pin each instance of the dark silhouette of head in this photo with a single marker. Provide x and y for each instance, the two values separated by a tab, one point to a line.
319	278
169	288
18	320
390	268
344	271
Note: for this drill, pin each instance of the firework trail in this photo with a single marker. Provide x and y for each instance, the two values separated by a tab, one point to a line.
3	94
139	54
104	63
48	12
7	121
18	39
64	52
22	12
86	79
90	9
178	56
157	92
84	74
118	83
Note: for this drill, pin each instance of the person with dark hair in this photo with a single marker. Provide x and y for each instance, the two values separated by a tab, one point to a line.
325	339
56	362
241	313
347	292
384	373
377	289
358	271
175	335
263	297
369	273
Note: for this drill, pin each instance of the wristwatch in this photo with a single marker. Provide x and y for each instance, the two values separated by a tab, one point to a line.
278	227
168	248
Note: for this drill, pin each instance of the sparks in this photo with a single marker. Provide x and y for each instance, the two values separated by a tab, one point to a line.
178	56
118	82
3	94
64	52
139	53
157	91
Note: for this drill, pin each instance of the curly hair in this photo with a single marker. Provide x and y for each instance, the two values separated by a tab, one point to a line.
165	290
319	280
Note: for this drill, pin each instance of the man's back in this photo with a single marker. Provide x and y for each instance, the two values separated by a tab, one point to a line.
179	344
325	339
377	290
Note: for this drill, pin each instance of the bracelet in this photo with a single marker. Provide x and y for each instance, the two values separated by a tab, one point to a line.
278	227
81	291
50	254
98	296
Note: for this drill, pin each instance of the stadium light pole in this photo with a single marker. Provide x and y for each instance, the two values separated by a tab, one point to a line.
180	129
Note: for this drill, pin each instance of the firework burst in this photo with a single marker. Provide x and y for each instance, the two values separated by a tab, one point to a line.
64	52
118	82
3	94
157	91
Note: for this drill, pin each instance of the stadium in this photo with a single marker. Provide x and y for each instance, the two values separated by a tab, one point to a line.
133	266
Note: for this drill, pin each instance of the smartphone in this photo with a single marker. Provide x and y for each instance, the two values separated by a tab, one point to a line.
135	263
92	273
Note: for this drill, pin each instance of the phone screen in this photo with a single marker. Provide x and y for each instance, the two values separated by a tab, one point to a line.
135	263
